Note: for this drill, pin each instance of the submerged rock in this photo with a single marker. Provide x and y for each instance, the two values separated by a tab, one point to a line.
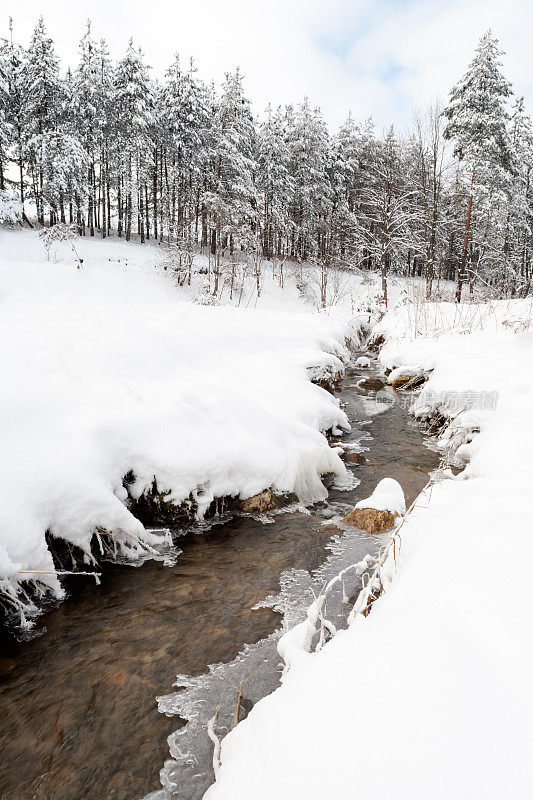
265	501
354	458
7	666
372	384
329	530
371	520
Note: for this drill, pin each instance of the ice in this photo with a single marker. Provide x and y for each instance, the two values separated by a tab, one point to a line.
258	668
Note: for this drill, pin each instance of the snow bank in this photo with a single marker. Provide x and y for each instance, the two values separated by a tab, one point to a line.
430	695
110	369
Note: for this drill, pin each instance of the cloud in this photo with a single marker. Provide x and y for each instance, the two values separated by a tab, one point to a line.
379	58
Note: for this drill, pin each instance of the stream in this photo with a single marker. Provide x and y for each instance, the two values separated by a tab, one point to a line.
79	717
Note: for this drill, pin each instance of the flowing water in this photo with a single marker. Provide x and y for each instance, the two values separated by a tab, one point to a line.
78	711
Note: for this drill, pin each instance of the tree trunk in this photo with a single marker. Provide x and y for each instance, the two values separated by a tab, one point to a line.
384	277
461	273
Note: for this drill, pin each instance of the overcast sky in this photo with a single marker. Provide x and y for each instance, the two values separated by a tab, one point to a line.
379	58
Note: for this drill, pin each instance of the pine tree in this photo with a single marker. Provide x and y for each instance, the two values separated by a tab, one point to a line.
477	119
5	132
346	180
88	113
14	111
42	92
274	182
309	158
515	264
133	101
233	201
184	117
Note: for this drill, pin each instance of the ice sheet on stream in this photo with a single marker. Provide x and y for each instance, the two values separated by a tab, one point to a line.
189	773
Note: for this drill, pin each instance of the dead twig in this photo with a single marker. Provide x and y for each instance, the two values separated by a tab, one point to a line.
239	698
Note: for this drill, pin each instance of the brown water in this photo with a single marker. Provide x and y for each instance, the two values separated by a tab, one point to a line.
78	716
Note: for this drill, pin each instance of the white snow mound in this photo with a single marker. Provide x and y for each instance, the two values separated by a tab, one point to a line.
387	496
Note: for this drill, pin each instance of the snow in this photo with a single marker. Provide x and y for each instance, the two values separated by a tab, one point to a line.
430	694
387	496
112	368
362	362
404	371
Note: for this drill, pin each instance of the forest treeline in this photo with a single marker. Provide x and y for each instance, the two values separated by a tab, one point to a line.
111	149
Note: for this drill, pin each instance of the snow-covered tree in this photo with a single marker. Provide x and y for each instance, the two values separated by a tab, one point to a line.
5	131
388	222
183	117
274	181
232	202
88	107
133	104
477	118
42	91
425	173
308	141
346	177
515	266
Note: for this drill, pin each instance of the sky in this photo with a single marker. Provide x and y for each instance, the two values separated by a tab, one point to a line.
379	58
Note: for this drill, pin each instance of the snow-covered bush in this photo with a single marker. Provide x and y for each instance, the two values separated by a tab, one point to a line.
53	237
178	259
10	207
371	303
205	297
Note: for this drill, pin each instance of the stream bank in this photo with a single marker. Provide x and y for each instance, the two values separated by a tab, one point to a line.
80	717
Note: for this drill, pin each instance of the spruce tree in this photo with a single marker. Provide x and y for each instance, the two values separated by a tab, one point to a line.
477	118
184	117
233	201
309	158
5	132
133	101
89	114
274	182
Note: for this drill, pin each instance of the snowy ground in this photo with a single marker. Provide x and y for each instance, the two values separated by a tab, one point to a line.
113	368
430	695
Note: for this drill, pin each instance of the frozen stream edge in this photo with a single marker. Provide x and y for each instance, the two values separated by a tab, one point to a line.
189	774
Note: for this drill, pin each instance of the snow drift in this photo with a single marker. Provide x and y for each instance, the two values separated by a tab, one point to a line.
110	369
